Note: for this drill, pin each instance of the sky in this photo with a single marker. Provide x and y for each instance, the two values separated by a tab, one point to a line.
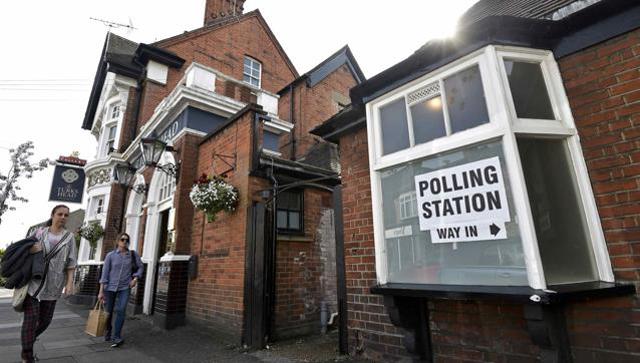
51	49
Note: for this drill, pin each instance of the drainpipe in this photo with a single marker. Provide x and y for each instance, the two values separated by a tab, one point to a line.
272	270
292	119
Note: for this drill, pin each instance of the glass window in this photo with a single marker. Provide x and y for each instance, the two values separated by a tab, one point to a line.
289	211
528	90
393	124
271	141
111	138
98	206
465	100
115	111
412	255
428	120
252	71
561	228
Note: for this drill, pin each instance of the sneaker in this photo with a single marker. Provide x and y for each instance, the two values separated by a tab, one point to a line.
117	343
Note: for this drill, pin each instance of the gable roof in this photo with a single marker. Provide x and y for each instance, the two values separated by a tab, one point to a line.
124	57
117	56
224	22
328	66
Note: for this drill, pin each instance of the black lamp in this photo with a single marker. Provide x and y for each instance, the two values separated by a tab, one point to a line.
152	149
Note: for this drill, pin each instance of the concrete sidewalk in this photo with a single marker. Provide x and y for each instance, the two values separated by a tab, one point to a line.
65	341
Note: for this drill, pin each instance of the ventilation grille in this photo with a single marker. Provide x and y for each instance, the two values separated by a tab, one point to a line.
424	93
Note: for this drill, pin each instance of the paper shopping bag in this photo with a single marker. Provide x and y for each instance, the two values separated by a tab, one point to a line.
97	321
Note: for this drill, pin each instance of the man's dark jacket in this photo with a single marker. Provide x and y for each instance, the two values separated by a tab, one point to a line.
19	266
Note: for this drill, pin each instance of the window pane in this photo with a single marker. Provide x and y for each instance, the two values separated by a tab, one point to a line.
528	90
271	141
412	257
393	124
282	219
563	238
428	120
465	100
294	220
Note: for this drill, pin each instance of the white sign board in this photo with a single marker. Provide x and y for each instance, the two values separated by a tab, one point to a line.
461	203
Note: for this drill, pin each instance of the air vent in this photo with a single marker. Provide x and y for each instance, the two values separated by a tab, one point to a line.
424	93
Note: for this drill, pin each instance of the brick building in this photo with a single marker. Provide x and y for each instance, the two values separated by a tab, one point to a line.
221	100
490	190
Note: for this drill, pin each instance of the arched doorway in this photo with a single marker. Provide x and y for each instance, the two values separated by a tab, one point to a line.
160	215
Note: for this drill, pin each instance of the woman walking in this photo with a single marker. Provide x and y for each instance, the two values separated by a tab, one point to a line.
59	249
120	273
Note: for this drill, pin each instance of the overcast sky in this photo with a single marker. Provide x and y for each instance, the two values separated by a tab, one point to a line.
51	49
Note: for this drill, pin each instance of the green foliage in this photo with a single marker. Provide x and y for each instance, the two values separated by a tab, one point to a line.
92	232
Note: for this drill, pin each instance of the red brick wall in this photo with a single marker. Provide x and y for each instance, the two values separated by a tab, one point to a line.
300	272
312	107
112	223
216	295
223	49
370	331
126	132
187	147
603	88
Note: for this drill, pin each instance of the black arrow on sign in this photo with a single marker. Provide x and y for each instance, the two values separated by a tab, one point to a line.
494	229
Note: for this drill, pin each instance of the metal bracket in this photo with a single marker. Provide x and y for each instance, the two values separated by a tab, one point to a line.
548	330
222	157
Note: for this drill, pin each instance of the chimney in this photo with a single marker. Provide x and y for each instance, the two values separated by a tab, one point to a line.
216	9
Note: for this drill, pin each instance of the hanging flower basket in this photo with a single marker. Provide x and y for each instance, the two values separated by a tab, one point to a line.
212	195
92	232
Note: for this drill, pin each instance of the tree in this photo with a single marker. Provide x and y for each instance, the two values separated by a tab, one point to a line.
21	167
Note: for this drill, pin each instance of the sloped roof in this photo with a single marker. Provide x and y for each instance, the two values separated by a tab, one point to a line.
328	66
123	56
580	28
531	9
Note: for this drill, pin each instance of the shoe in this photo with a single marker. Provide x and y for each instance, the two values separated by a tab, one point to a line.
107	338
117	343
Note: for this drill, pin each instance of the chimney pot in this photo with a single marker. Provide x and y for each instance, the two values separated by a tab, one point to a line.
222	8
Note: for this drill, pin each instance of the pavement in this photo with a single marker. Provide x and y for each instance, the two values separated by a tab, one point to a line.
65	341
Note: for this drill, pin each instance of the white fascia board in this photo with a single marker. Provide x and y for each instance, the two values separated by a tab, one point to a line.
176	102
277	125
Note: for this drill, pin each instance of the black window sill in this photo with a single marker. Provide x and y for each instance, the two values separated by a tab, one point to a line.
519	294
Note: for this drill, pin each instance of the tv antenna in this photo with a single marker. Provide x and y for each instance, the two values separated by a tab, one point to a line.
112	24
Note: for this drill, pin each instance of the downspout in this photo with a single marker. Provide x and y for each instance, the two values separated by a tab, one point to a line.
292	120
274	235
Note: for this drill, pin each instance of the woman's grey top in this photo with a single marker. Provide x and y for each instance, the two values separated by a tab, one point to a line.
57	274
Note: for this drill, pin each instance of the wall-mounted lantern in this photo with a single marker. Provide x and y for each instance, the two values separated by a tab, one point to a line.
152	149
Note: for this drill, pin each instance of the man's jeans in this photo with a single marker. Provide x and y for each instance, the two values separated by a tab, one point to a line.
116	302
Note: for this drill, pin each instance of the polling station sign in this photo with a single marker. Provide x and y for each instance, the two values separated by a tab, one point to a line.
463	203
68	184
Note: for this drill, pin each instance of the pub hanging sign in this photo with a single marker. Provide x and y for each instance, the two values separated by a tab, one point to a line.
68	181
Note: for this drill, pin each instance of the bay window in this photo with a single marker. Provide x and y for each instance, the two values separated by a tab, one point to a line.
479	178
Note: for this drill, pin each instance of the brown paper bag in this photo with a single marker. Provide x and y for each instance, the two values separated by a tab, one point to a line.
97	321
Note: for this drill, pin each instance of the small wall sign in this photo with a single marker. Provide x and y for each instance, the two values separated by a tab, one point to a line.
463	203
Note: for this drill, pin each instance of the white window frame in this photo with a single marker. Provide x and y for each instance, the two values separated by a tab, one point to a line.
252	67
503	125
